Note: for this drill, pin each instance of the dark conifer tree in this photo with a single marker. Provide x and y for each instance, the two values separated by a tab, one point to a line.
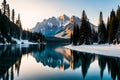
118	13
94	36
8	11
102	33
113	27
18	23
118	31
4	3
108	24
89	35
77	32
85	30
13	15
75	35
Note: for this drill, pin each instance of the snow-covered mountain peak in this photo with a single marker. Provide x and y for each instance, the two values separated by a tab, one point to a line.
52	25
52	22
64	17
61	26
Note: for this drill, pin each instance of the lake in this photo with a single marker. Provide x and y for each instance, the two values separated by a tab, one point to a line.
54	62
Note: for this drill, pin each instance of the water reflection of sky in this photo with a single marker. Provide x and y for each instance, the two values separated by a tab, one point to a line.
38	62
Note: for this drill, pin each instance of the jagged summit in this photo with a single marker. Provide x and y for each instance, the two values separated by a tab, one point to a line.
64	17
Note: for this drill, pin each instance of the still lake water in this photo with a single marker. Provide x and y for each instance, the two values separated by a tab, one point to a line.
54	62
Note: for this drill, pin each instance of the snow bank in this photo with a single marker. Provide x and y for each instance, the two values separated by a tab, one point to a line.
22	41
19	42
106	49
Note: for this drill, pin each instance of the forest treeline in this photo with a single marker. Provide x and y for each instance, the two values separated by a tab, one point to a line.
11	28
107	33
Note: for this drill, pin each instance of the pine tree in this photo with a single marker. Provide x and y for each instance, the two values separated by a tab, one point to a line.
94	36
108	24
13	15
113	27
77	32
89	35
84	16
4	3
8	11
118	13
102	33
118	30
18	23
74	35
85	30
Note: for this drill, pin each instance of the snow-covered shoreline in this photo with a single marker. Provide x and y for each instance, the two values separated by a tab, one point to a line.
21	42
105	49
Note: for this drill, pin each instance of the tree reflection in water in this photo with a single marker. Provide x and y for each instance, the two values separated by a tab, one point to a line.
10	59
61	58
113	64
85	59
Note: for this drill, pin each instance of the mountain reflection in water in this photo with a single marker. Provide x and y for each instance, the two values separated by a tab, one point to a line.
54	56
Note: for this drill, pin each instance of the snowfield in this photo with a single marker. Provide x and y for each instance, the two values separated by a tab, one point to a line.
104	49
22	41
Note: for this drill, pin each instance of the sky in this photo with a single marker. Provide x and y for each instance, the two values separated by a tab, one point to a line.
33	11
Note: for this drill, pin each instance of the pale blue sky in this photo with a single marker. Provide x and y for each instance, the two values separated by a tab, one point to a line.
33	11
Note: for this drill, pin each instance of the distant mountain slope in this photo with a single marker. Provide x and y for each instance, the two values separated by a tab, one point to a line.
60	27
51	26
